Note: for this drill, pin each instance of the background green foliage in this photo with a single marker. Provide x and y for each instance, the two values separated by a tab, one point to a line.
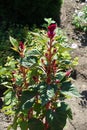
80	19
15	30
29	11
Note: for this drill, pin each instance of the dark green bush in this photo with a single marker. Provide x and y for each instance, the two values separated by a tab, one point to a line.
6	30
30	11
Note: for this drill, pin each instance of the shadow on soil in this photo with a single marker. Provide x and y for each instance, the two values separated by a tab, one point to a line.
82	36
83	101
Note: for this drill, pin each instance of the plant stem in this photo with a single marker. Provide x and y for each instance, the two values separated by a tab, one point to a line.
49	62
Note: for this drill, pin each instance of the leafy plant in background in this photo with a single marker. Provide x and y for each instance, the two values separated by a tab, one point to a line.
80	19
15	30
38	82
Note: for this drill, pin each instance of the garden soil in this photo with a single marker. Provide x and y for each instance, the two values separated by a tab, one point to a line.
78	38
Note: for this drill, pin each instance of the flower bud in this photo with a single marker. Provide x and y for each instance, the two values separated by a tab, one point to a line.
13	72
13	79
57	81
68	73
46	55
35	78
54	50
48	105
42	60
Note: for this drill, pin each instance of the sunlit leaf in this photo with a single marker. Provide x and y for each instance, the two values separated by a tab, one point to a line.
69	89
28	104
9	96
14	42
28	61
33	52
47	92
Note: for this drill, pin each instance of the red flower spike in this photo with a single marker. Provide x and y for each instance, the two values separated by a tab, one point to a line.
21	45
51	29
48	71
50	34
48	80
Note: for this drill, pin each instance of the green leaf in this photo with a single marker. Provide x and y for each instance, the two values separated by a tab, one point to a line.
29	61
14	42
27	95
6	84
57	119
15	122
46	92
3	70
35	124
49	21
9	97
28	104
33	52
23	125
68	89
42	89
9	127
60	76
50	92
19	80
37	108
27	100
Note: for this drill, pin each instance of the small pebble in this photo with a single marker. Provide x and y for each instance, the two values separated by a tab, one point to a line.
74	46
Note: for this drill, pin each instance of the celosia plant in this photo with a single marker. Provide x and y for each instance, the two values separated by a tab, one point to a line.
38	82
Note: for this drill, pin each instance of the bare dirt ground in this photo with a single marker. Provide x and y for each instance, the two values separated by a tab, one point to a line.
78	105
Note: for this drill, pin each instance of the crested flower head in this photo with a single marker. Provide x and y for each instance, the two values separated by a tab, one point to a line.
51	29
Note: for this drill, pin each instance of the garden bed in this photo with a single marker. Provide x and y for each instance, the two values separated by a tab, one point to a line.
79	106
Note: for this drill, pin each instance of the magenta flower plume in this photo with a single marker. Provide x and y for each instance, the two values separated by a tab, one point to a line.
51	29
